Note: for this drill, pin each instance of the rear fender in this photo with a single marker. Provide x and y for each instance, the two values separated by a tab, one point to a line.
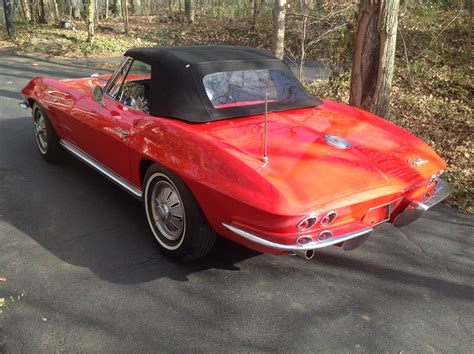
223	185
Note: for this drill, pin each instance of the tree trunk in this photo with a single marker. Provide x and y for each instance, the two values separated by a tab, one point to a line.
89	8
470	8
96	12
180	14
46	11
278	35
42	12
56	10
374	55
118	8
76	9
303	49
26	10
8	8
189	10
34	11
136	7
125	15
255	12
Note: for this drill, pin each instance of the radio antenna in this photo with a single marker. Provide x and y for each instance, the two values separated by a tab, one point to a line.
265	130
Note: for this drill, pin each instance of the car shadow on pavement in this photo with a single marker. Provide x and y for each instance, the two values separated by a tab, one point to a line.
84	219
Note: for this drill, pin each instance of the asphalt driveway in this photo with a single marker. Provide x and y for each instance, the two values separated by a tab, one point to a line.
83	273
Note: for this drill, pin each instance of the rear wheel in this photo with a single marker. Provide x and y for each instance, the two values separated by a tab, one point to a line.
175	217
46	138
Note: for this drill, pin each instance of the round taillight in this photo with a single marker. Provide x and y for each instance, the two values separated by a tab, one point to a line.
328	218
304	240
307	223
324	235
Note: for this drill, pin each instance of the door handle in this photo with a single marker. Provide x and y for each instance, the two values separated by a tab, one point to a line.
122	132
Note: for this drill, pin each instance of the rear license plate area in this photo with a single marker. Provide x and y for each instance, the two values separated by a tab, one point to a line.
377	215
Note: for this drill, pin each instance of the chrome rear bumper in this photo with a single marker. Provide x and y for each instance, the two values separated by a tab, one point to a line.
416	209
412	212
297	247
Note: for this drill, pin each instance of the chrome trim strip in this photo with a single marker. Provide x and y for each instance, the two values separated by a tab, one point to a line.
309	246
101	168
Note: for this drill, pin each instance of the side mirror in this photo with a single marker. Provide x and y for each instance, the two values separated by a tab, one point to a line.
130	102
98	94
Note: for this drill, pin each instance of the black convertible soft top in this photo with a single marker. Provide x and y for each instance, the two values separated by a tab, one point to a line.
177	89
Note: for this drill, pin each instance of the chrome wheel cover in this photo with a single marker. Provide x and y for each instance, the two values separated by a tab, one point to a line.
167	210
39	123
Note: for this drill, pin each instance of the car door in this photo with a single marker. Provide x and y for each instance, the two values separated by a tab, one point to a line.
103	130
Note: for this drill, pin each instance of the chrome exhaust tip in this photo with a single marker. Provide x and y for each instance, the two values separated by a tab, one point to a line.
308	254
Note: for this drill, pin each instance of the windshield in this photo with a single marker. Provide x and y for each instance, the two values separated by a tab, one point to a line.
240	88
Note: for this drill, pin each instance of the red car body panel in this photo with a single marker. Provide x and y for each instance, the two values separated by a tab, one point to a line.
222	164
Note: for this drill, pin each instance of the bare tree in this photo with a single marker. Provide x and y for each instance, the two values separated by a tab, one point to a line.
374	55
257	5
106	15
43	17
89	17
56	10
45	11
118	8
26	10
469	5
136	7
278	35
8	8
189	10
76	6
125	15
302	43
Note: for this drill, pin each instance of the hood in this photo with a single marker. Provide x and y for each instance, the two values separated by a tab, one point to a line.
306	169
86	85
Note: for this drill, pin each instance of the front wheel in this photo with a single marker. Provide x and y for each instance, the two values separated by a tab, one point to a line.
46	138
175	217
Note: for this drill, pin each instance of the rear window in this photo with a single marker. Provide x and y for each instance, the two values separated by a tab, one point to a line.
240	88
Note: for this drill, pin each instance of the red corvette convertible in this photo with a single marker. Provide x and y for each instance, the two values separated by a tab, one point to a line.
225	140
